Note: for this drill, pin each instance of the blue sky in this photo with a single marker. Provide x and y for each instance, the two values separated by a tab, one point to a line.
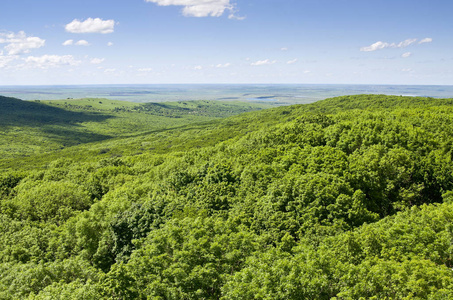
52	42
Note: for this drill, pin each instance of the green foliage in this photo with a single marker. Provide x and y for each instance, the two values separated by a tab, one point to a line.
8	182
34	127
22	241
185	259
74	290
346	198
133	224
275	274
25	280
53	201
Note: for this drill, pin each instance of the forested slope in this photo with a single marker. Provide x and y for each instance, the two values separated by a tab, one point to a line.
345	198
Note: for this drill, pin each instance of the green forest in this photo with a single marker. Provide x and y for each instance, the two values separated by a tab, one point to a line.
345	198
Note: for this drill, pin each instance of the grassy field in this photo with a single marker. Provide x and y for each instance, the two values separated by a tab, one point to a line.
38	127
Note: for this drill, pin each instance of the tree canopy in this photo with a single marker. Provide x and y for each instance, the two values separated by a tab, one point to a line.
345	198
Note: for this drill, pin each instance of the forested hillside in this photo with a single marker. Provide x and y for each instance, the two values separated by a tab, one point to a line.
346	198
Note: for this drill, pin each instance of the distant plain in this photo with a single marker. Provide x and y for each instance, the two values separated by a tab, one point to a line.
280	94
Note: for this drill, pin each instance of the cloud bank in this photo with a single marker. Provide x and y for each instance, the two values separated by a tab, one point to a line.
50	61
18	43
5	60
91	25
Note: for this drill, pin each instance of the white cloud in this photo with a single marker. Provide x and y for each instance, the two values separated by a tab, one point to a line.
145	70
5	60
426	40
82	43
235	17
284	49
78	43
201	8
18	43
406	70
50	61
406	54
97	61
68	43
293	61
263	62
223	65
109	44
91	25
405	43
198	68
382	45
375	46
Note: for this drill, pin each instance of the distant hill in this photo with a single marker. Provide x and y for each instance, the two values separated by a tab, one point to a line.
16	112
33	127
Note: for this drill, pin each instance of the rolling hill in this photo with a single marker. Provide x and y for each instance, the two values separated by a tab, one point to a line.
345	198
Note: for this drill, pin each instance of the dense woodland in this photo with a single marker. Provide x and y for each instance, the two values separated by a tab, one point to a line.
345	198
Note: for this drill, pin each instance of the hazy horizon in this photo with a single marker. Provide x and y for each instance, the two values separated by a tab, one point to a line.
276	93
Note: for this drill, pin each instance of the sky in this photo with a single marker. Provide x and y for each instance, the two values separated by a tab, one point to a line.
50	42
